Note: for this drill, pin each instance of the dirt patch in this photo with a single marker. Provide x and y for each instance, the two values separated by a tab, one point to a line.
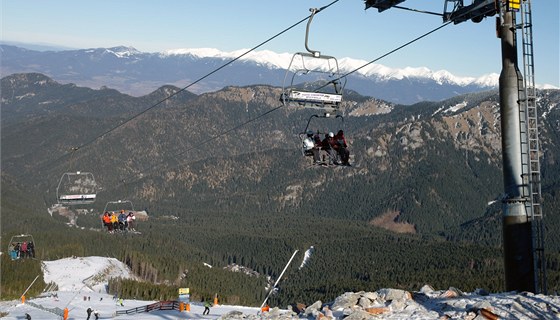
389	221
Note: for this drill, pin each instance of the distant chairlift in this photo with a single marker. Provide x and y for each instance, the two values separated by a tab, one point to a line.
119	206
313	80
21	246
76	188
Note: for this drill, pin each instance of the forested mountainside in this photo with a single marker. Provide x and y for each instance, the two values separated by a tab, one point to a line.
224	182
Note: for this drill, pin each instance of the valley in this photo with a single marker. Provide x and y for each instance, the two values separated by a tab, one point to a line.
249	198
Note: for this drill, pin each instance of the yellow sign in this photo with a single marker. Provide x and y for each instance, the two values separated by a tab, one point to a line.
514	4
183	290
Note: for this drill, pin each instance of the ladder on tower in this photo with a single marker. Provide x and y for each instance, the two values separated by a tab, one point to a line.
530	147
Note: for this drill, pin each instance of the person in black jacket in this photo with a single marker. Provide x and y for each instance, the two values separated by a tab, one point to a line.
328	145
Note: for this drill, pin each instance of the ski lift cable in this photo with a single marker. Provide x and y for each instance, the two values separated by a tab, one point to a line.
207	75
398	48
73	150
419	11
199	79
385	55
198	145
204	142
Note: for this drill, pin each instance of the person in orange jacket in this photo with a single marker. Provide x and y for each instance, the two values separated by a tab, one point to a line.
107	221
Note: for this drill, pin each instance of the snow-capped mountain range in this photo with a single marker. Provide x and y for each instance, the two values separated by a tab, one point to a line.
282	60
138	73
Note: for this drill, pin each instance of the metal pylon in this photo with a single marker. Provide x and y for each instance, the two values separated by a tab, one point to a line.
530	147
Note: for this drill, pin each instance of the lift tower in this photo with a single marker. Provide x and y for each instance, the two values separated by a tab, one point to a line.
523	231
517	225
530	147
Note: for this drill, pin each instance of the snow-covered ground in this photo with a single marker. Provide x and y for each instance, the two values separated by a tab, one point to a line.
81	284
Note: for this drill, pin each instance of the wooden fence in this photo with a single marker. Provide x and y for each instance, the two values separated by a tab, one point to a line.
161	305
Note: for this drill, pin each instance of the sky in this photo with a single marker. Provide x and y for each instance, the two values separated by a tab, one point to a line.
344	29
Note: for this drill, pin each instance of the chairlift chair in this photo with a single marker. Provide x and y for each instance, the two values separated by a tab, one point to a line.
313	69
20	239
76	188
304	135
118	206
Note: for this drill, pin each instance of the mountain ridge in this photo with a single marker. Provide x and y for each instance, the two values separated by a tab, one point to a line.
138	73
381	72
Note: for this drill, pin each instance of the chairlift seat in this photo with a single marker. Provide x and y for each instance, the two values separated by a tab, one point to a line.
77	198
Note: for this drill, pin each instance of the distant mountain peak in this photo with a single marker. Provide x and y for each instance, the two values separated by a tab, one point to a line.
119	51
266	57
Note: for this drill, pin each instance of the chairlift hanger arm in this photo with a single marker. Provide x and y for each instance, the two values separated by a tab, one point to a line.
313	52
326	115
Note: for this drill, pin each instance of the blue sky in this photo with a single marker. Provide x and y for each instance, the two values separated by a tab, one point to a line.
343	30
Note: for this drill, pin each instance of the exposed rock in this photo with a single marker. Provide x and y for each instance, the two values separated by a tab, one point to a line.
359	315
398	304
373	296
480	305
452	293
393	294
314	309
426	289
488	314
364	302
347	300
377	310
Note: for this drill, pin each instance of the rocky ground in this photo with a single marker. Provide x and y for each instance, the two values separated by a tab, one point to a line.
424	304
